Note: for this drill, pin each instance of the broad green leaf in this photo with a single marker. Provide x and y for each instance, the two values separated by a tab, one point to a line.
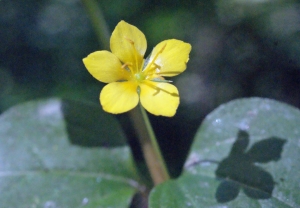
245	154
42	166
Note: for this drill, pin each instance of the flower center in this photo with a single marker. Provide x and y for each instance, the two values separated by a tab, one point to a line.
140	76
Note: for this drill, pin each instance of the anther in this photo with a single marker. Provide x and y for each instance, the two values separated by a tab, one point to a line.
163	48
157	66
126	65
130	41
135	53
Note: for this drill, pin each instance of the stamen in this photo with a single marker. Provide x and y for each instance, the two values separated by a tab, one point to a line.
127	67
136	55
158	89
157	66
168	73
173	73
154	59
124	66
130	41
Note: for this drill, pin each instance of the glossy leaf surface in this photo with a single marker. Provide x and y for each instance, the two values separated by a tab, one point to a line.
245	154
56	153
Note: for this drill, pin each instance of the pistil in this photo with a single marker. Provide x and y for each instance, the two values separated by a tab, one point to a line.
139	77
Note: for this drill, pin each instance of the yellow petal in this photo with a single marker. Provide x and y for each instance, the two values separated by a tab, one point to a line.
159	98
128	43
119	97
105	67
172	56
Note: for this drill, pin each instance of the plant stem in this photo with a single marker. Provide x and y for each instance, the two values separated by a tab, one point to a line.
97	18
150	148
142	125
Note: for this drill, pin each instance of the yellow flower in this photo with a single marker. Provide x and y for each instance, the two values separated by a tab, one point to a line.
132	78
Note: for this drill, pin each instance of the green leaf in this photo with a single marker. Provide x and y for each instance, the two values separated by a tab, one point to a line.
245	154
42	166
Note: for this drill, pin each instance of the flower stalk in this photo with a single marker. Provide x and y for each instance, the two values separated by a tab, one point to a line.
150	148
98	22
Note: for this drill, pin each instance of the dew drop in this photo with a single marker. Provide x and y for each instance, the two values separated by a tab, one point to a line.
98	179
85	201
50	204
217	122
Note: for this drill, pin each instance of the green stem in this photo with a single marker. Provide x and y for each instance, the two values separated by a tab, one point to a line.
97	18
142	125
150	148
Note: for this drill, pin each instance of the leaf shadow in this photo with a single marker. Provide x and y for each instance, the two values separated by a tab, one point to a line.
88	126
239	171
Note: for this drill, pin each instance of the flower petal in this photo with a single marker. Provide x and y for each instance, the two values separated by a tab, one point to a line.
159	98
119	97
172	56
105	67
128	43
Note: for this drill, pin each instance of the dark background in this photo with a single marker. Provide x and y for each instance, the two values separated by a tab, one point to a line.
241	48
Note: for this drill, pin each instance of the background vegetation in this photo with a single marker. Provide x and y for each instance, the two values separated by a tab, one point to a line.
241	48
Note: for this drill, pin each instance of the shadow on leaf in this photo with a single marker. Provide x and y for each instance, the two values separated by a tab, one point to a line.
88	126
238	170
